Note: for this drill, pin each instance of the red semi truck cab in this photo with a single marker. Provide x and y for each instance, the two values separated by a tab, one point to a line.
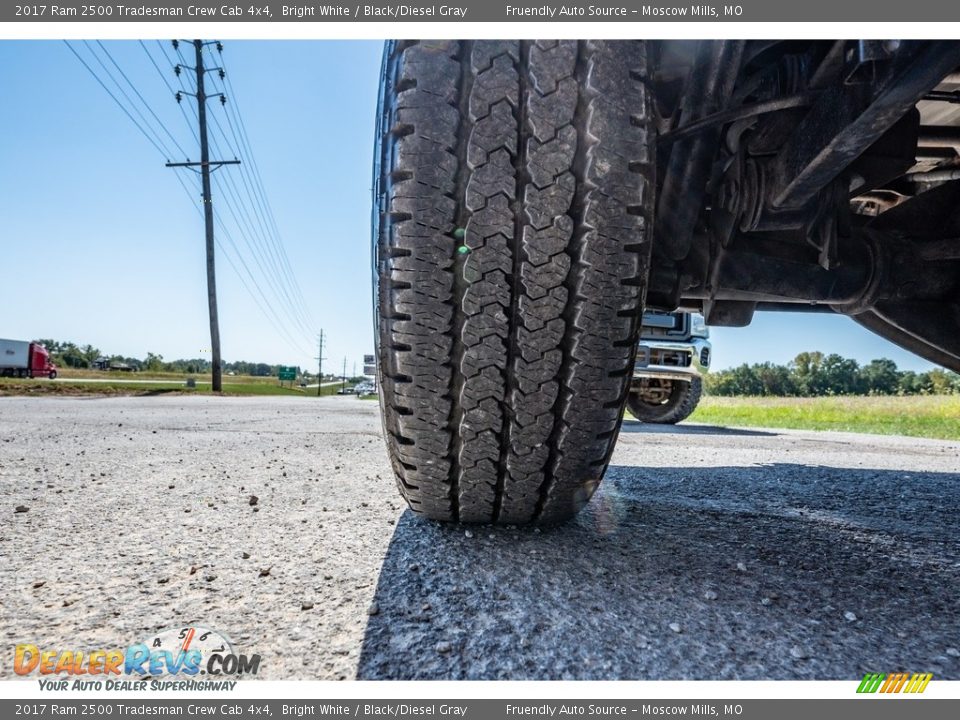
25	359
40	362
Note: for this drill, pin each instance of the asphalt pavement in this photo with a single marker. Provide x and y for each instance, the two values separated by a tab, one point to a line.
708	553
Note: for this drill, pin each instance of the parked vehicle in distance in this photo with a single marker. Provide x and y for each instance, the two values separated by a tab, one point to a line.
19	358
105	363
345	391
365	388
672	353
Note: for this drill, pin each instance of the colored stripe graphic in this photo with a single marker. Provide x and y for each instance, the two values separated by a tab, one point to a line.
894	683
918	683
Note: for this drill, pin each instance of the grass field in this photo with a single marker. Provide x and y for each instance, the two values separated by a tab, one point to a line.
150	384
930	416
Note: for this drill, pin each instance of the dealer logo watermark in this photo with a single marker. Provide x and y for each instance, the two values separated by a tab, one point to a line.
173	659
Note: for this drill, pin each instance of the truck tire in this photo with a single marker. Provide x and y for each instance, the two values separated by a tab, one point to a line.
513	202
682	401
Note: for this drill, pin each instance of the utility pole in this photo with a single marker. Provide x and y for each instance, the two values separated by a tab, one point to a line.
205	169
344	385
320	365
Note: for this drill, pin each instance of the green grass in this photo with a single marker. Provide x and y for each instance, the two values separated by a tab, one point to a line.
235	385
929	416
66	373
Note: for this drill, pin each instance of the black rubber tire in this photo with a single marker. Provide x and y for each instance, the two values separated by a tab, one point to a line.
514	191
683	400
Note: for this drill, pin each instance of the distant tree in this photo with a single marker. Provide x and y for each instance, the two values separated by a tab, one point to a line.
89	353
719	382
806	369
153	363
745	381
840	375
775	380
909	383
52	346
939	382
72	356
880	377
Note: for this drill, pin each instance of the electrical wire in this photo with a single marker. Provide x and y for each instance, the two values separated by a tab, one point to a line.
145	103
266	256
275	322
255	192
114	98
234	109
154	139
167	152
173	92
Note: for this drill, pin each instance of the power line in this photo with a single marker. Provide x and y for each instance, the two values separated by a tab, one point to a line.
261	255
273	244
249	235
229	184
147	130
265	258
173	93
145	103
234	109
246	238
126	112
205	165
278	328
268	258
256	194
166	150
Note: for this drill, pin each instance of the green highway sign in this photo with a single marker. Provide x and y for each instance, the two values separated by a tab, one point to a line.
287	373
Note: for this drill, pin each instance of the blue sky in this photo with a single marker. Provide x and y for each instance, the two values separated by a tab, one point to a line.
102	245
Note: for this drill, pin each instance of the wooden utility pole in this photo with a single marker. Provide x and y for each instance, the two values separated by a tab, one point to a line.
208	221
320	365
205	166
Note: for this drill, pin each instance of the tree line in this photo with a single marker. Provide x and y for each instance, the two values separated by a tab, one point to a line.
70	354
812	374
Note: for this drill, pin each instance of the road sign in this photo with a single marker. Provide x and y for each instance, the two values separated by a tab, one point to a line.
287	373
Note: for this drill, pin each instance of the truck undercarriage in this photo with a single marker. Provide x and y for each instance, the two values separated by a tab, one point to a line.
814	176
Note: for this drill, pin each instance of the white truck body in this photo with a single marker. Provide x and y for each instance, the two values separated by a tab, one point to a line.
14	354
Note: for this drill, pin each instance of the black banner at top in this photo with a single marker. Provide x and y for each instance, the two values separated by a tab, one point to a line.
630	11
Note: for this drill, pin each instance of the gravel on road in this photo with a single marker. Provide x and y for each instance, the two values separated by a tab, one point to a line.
708	553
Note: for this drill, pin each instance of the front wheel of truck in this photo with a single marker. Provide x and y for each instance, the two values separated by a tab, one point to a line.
669	402
513	203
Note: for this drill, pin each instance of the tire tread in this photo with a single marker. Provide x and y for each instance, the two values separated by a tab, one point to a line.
505	368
